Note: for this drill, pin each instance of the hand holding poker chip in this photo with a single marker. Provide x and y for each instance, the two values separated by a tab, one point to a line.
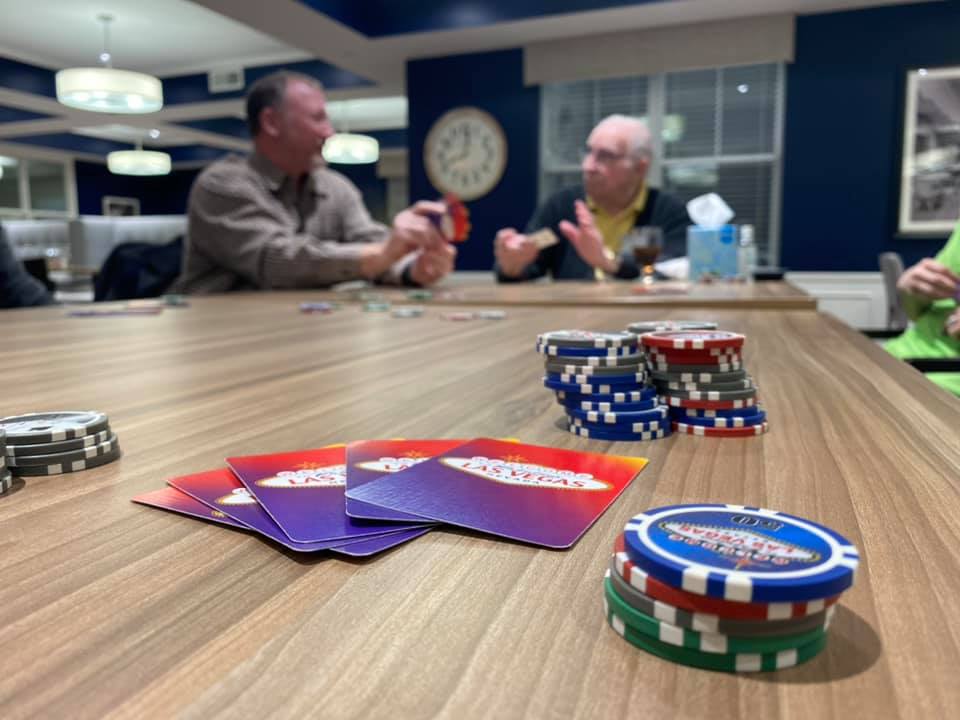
454	224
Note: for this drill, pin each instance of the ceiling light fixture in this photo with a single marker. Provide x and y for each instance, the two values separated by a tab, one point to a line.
138	162
347	148
106	89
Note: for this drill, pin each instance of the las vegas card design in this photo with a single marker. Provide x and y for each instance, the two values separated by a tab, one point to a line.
541	495
304	493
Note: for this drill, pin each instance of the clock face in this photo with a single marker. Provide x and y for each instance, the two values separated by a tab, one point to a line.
465	153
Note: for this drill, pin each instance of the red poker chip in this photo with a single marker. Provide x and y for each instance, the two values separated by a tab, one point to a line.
704	431
706	404
706	352
692	339
659	590
455	224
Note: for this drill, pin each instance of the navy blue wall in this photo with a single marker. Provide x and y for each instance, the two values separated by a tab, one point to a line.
844	129
373	189
163	195
492	81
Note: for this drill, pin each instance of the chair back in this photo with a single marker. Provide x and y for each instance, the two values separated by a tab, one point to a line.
891	265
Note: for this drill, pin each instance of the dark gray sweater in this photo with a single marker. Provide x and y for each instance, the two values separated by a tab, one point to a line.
562	260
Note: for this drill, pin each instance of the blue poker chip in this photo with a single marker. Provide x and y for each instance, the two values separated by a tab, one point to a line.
592	388
618	436
757	418
742	554
558	351
620	418
621	397
682	414
571	379
623	427
637	407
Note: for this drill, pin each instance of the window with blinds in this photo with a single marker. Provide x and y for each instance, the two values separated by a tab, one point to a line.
716	130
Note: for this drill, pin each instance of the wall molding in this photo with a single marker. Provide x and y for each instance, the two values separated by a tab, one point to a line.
857	298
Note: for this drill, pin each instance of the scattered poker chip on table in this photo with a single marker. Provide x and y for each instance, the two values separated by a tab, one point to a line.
411	311
57	442
459	316
491	314
323	308
376	306
727	587
601	381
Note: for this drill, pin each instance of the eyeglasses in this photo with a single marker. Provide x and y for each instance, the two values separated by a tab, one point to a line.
602	157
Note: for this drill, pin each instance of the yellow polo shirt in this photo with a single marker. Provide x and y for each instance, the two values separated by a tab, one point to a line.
614	228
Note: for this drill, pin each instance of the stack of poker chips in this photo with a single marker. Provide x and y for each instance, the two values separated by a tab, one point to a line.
58	442
6	479
601	382
699	375
725	587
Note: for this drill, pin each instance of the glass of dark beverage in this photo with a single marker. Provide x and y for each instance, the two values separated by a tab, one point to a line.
647	244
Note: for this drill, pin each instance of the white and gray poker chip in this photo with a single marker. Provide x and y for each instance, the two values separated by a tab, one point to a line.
587	339
34	428
75	466
14	451
665	325
65	458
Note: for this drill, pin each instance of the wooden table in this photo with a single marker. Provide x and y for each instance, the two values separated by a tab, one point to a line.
773	295
109	609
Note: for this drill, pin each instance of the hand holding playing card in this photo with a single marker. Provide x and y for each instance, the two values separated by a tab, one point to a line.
514	251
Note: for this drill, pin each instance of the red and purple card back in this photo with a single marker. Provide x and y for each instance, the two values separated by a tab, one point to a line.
304	494
369	459
542	495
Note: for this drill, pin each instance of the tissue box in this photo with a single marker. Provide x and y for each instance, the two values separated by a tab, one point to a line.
712	251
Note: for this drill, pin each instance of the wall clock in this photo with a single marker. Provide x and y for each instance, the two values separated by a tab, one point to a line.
465	153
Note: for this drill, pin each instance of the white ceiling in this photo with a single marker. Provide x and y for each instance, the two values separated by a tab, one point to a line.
171	37
163	37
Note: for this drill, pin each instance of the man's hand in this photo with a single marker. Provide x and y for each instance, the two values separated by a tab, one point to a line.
952	326
513	252
587	240
413	230
929	280
432	265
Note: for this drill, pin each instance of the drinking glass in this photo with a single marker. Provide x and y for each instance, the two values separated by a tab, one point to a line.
647	244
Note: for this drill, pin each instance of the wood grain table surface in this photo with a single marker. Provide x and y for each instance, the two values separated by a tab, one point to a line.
112	610
771	295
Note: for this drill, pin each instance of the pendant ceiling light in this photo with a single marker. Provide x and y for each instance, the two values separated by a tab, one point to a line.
106	89
347	148
138	162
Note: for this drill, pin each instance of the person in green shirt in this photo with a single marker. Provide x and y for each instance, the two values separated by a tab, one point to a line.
930	291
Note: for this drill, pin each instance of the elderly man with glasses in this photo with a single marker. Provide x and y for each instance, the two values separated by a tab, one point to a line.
592	221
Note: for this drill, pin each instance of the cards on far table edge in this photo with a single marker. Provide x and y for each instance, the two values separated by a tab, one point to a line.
541	495
303	492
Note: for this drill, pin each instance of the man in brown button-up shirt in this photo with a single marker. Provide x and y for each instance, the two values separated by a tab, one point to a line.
281	219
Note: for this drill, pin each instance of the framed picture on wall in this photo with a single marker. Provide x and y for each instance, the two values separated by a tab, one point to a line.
930	172
120	206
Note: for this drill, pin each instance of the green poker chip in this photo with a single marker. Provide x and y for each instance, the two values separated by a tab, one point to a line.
734	663
703	642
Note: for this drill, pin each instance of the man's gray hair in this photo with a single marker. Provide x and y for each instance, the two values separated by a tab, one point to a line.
641	142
